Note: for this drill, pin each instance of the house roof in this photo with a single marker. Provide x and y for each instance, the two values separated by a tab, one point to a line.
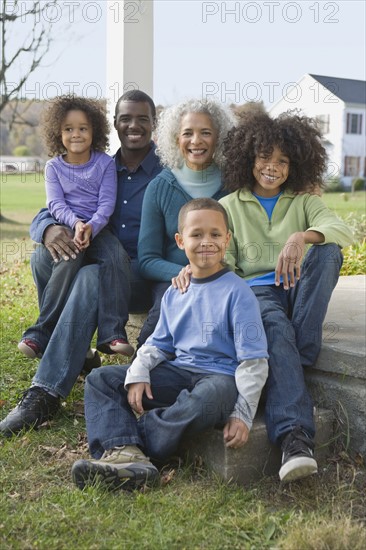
348	90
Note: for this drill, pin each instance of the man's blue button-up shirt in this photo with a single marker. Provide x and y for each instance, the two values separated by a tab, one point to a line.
131	187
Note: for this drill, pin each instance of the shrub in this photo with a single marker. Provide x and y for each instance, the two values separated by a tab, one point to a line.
358	184
334	185
21	151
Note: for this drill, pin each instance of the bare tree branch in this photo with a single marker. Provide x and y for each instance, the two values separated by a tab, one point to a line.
33	47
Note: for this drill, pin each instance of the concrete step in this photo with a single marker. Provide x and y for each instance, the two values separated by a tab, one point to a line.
338	380
258	457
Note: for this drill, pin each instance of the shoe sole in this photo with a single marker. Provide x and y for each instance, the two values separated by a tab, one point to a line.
28	351
132	476
298	468
121	349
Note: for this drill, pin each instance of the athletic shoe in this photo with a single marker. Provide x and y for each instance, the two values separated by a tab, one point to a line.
120	346
119	468
297	456
35	407
29	348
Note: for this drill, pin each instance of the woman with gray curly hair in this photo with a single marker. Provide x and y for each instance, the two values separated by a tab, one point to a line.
190	138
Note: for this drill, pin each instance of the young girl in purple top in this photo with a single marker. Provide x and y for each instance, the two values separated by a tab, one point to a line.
81	188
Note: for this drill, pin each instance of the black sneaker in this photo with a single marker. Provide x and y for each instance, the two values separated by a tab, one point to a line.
90	363
35	407
297	456
119	468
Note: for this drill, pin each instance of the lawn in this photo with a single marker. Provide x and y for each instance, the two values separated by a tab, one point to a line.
40	508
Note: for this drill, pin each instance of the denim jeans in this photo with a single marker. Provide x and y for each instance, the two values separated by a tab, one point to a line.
114	288
157	292
184	402
293	323
65	353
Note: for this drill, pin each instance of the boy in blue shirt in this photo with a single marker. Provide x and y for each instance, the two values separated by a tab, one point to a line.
205	365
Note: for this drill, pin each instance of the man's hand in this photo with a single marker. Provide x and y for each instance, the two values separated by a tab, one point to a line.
58	240
289	260
135	393
83	232
183	279
236	433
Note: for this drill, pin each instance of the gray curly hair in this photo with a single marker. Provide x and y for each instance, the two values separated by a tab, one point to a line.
168	127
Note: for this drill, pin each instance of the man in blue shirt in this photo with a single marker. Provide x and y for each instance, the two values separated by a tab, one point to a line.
63	360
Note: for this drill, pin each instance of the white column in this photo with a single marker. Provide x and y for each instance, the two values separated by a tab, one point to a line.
130	51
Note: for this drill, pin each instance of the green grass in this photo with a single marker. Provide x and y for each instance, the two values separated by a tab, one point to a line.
41	509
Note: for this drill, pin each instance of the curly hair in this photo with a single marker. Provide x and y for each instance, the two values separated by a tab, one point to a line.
52	118
168	128
257	133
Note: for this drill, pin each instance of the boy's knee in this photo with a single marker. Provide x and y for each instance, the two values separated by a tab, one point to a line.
327	255
111	377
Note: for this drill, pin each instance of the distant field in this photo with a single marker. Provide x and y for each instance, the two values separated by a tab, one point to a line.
23	196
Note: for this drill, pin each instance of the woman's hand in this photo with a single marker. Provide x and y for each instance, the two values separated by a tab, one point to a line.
183	279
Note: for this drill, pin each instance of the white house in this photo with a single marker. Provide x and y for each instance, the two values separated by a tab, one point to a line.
339	105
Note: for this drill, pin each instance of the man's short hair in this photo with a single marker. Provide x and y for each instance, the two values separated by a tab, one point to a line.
201	204
139	97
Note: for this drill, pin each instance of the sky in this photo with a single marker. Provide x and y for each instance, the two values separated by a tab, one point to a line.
239	51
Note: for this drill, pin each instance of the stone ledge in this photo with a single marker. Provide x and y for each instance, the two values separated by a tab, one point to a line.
258	457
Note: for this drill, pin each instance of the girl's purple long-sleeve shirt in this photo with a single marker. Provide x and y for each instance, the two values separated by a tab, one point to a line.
84	192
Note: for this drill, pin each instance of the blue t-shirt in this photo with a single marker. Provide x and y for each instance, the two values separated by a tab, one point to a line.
268	204
213	327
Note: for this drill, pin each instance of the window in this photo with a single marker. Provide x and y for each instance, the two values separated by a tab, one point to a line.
351	166
354	123
323	123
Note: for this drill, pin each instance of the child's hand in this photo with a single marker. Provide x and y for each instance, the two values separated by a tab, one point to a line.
183	279
236	433
135	393
289	260
83	233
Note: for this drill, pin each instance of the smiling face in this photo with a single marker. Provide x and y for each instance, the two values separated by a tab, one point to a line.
134	124
197	140
77	137
204	238
270	172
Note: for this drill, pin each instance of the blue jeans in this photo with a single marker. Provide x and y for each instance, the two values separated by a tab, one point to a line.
293	323
65	354
114	288
157	293
184	402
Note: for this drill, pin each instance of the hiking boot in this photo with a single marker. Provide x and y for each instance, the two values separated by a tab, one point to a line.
92	361
119	468
35	407
30	348
297	456
120	346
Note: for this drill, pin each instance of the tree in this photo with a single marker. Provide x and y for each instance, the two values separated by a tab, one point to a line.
256	107
31	25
